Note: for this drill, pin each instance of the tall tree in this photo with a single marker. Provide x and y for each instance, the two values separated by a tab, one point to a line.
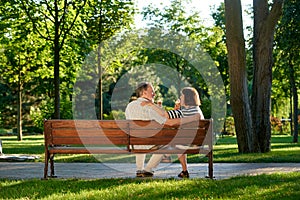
19	57
104	19
258	135
54	20
239	98
265	21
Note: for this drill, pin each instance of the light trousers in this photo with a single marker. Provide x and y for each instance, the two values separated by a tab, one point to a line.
153	162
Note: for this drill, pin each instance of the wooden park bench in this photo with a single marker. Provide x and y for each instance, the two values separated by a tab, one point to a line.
120	136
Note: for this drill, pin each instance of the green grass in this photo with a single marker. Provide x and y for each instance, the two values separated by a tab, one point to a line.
226	150
282	150
275	186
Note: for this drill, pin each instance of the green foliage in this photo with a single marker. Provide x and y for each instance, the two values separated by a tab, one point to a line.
229	126
286	55
30	53
115	114
277	126
6	99
5	131
104	18
210	40
206	107
45	110
280	127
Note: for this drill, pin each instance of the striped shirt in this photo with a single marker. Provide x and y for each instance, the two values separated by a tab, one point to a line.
185	112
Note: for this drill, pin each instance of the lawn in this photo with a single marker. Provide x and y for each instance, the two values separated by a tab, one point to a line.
272	186
275	186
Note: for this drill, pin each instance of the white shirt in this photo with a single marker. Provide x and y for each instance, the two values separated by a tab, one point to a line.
135	111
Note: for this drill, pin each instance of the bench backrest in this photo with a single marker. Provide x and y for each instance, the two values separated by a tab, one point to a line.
125	132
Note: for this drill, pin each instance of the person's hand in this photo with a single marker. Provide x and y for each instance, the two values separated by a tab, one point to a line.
177	105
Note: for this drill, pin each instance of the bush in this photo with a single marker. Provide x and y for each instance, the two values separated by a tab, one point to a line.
6	131
46	111
32	130
114	114
279	127
229	126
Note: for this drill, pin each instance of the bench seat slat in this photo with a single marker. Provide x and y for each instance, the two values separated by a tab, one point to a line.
182	133
88	150
171	151
89	133
116	124
167	141
88	140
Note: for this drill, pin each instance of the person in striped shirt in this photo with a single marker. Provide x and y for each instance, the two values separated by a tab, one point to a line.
188	106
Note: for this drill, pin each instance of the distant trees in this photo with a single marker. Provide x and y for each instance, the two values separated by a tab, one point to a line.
20	65
175	18
43	44
287	65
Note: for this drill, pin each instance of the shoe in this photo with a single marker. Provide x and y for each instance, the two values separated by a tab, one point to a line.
147	174
184	174
143	173
139	173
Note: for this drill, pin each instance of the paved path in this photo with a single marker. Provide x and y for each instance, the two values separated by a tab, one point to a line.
32	170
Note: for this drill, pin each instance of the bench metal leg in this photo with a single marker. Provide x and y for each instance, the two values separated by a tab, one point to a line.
46	165
52	166
210	165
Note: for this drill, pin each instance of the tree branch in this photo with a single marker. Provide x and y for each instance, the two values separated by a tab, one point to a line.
49	8
275	13
33	21
72	24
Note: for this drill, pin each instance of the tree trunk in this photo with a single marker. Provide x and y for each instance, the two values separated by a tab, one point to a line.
239	98
294	118
100	83
264	27
19	113
56	85
291	111
56	49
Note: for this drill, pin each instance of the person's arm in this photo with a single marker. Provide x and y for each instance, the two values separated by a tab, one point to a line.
178	121
156	108
172	114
